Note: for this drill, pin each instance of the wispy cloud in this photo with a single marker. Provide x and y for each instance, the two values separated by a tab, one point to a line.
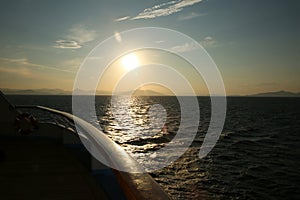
24	63
191	15
71	64
67	44
208	42
20	71
185	47
118	37
122	19
20	61
165	9
81	34
14	60
19	66
159	41
77	37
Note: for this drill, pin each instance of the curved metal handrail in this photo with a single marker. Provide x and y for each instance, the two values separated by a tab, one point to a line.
136	185
112	152
57	112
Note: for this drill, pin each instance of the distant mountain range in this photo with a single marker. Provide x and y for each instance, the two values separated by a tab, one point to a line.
137	93
281	93
78	91
36	91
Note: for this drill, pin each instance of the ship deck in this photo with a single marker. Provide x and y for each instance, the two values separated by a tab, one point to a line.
53	163
32	168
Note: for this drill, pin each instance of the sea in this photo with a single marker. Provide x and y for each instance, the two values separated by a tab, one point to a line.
257	155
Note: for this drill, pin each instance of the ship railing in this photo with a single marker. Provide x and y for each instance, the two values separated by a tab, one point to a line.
135	182
59	118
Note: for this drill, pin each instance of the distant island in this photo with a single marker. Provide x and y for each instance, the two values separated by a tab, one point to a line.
46	91
43	91
78	91
281	93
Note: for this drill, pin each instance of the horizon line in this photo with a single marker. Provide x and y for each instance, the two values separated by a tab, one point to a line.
47	91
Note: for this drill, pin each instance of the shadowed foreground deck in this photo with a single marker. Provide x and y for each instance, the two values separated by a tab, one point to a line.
53	163
39	169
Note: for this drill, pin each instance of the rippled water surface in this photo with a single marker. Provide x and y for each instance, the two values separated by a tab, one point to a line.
256	157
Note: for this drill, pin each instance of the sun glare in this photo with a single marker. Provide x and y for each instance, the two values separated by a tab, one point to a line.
130	61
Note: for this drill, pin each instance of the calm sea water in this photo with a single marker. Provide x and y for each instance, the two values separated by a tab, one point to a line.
256	157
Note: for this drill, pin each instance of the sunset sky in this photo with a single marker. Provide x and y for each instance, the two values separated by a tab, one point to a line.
254	43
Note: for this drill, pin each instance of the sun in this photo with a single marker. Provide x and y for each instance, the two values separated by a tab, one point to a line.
130	61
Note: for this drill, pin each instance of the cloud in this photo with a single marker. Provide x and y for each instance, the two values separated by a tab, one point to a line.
165	9
25	63
122	19
185	47
191	15
72	64
82	35
118	37
19	66
14	60
20	71
159	41
19	61
208	42
77	37
67	44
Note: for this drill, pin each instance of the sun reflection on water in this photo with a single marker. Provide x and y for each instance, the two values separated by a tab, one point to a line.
140	124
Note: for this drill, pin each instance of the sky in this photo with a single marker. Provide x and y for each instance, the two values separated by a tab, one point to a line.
255	44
